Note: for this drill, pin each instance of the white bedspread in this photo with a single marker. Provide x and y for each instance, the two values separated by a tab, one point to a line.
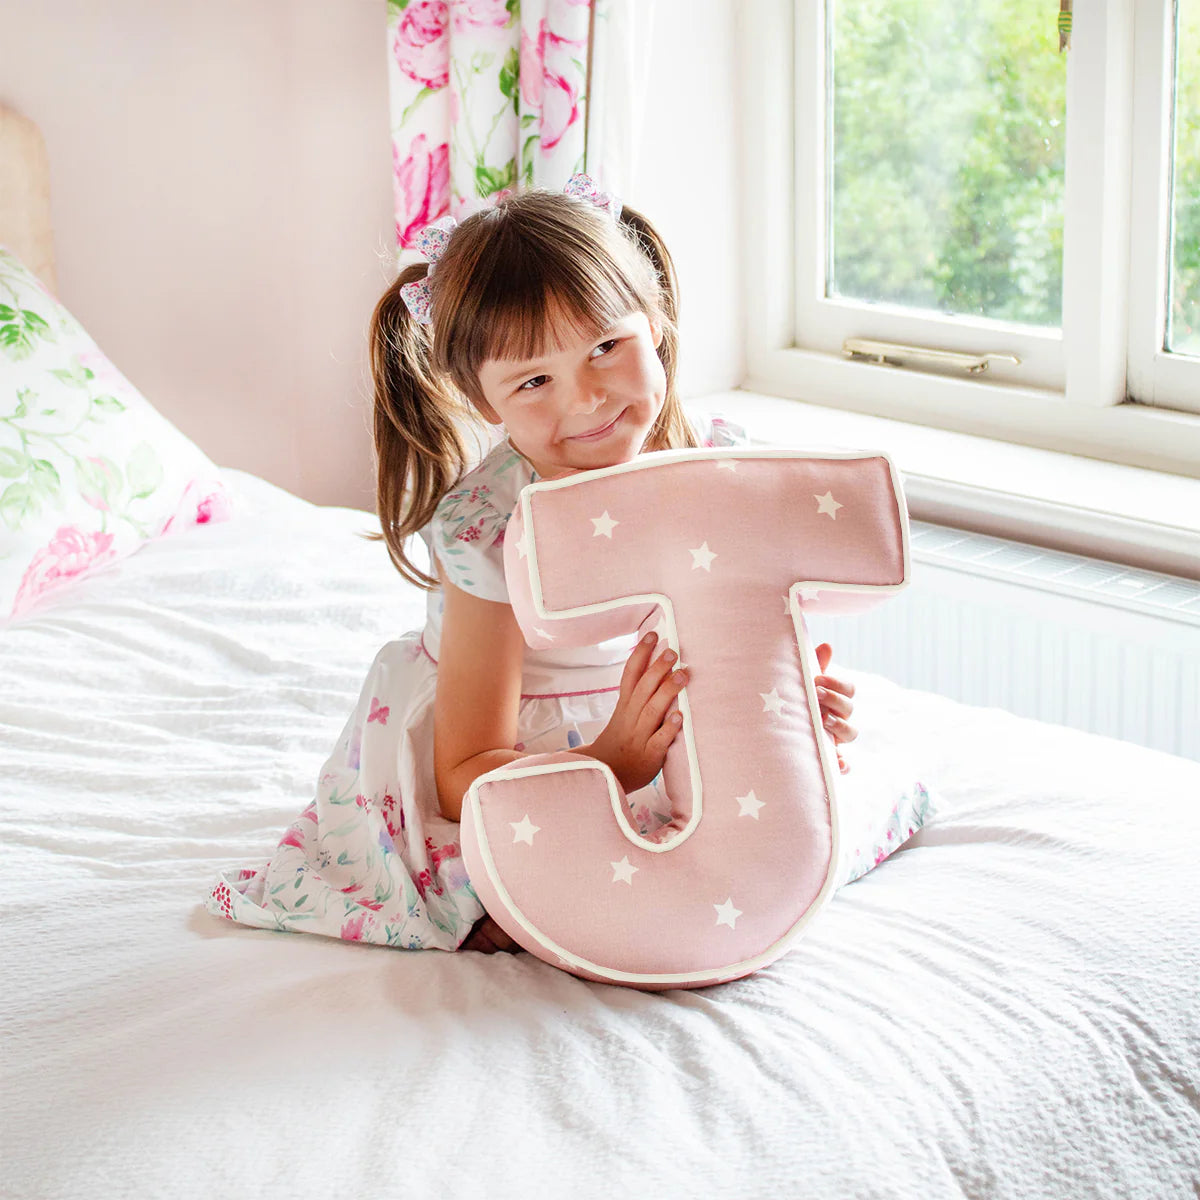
1009	1008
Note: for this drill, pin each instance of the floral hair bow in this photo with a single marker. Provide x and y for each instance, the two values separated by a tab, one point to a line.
433	239
584	187
431	242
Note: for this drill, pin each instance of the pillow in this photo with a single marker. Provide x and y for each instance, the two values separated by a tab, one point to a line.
724	551
89	472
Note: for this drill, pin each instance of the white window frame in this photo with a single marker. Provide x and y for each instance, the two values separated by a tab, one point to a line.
1084	408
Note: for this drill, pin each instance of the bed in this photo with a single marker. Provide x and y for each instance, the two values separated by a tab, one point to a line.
1007	1007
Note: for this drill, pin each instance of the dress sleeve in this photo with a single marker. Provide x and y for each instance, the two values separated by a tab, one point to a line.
467	535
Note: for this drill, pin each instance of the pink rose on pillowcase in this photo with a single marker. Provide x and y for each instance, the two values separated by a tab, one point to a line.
421	47
202	502
70	553
422	187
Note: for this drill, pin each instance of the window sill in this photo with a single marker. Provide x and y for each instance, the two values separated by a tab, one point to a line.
1123	514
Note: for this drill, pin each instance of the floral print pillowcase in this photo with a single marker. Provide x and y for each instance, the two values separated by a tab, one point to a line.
89	471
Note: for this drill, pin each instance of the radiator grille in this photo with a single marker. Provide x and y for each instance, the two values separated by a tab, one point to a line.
1045	634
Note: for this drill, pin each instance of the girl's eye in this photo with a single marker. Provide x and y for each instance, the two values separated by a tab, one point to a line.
531	385
609	344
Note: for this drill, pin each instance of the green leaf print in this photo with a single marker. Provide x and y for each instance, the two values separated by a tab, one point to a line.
489	180
13	463
100	476
108	404
36	326
18	503
77	376
143	471
16	342
44	479
23	397
510	74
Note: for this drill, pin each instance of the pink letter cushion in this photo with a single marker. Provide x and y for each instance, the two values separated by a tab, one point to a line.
89	471
721	552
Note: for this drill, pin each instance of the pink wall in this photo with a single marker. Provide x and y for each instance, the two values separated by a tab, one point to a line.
221	192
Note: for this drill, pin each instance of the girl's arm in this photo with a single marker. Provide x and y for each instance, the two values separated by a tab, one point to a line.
478	693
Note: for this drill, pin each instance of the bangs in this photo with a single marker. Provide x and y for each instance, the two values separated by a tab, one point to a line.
534	295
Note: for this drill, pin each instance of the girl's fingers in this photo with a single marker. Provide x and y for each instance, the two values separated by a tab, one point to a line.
662	699
834	685
635	666
665	735
835	703
653	676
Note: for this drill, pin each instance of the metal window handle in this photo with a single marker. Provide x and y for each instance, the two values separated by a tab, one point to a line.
895	354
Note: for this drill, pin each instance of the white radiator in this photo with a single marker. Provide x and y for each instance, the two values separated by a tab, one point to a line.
1059	637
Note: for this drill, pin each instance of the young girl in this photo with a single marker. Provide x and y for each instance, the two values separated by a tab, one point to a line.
552	317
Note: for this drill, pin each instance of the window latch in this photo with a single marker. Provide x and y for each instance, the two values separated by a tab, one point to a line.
894	354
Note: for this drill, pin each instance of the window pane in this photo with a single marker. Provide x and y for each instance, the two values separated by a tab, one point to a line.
1183	293
947	147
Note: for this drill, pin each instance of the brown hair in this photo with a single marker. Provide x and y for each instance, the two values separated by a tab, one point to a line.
514	279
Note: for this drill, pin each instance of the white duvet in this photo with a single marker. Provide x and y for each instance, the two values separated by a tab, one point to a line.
1010	1007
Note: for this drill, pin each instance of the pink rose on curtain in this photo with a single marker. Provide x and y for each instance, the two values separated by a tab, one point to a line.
533	52
70	553
487	14
422	187
560	110
421	46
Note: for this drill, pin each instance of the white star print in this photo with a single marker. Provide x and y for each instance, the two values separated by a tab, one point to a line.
827	504
809	593
623	871
726	913
750	805
702	557
542	633
727	464
521	546
604	525
772	702
524	829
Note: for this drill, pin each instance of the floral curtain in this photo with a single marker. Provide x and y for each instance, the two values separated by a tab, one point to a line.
487	96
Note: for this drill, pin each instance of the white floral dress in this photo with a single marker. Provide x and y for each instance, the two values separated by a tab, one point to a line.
371	858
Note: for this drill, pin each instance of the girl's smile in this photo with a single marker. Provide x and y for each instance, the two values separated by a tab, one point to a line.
602	432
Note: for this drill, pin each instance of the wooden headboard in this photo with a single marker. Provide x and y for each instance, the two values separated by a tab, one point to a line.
25	226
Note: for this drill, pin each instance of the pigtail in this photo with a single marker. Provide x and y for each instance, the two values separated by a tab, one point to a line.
672	430
418	448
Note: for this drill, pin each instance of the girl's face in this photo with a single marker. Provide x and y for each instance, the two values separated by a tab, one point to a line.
590	403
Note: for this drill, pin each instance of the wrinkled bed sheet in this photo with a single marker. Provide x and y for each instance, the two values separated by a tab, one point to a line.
1008	1007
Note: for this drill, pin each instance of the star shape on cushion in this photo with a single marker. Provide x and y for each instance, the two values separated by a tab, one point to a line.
702	557
623	871
727	464
750	805
810	593
522	547
827	504
726	913
542	633
772	702
524	829
604	525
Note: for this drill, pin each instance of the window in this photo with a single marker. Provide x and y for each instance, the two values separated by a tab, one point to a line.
1008	235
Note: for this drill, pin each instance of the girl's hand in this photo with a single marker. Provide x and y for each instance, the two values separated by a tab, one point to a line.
834	697
634	742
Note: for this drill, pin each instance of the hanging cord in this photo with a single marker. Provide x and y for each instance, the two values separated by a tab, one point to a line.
1064	25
